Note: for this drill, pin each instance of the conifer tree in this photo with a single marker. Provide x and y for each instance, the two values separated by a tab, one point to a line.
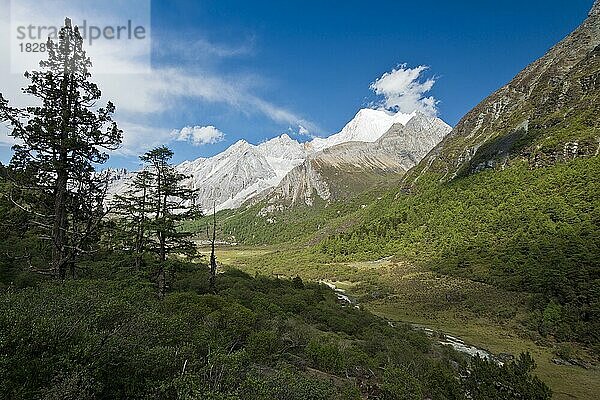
152	211
132	209
61	140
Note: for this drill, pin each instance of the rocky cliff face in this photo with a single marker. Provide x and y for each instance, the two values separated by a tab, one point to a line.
547	110
595	11
301	185
348	168
409	144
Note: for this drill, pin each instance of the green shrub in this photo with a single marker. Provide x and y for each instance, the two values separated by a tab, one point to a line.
400	385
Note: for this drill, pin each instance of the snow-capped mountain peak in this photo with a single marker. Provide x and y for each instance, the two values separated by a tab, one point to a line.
242	171
238	147
245	171
368	125
281	146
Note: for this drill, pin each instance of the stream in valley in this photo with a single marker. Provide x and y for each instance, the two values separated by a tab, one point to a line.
440	337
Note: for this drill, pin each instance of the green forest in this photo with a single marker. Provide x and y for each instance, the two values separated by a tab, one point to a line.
524	229
530	230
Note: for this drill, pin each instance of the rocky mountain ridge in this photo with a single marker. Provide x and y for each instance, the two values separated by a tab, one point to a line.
245	172
324	173
547	113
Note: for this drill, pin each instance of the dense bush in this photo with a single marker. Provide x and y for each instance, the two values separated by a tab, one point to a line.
257	338
486	382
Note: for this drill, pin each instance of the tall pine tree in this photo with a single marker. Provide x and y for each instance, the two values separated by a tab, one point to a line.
61	140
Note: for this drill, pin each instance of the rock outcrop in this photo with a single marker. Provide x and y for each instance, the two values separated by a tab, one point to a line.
552	102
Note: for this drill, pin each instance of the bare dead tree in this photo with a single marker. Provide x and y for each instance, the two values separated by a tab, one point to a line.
213	257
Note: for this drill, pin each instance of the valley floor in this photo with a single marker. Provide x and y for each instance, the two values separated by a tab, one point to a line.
479	314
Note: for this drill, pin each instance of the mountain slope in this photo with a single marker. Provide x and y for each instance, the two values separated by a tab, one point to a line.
399	149
521	210
242	171
510	196
367	126
245	172
346	169
547	113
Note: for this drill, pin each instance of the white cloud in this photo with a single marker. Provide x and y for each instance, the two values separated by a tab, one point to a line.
201	48
139	138
160	90
404	90
199	135
300	130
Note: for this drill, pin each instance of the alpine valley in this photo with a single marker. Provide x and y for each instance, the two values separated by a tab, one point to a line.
489	231
400	258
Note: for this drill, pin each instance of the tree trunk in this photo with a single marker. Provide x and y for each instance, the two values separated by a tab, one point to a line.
213	268
162	253
161	282
138	262
72	269
161	269
60	225
59	229
139	247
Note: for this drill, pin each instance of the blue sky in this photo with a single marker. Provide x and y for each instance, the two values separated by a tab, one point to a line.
257	69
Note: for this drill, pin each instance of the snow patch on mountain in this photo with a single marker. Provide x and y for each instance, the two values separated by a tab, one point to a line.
241	172
396	151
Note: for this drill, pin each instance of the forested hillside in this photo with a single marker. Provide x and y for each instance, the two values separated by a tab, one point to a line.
510	197
528	230
548	113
